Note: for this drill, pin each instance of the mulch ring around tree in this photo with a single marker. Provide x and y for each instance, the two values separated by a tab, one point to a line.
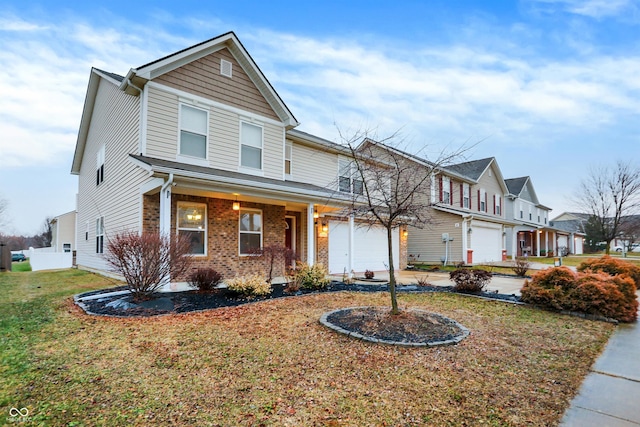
410	327
123	305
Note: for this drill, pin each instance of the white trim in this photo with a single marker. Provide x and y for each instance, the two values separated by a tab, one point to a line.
206	224
144	106
261	232
242	167
189	97
180	59
311	235
179	137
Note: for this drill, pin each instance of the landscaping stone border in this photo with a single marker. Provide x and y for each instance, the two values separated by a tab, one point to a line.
464	331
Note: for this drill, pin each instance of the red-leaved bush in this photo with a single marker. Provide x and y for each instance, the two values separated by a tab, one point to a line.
146	260
595	293
612	266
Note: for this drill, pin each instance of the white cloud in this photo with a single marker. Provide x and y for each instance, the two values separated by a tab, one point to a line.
594	8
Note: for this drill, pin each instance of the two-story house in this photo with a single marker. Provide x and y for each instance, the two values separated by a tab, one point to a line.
199	143
467	223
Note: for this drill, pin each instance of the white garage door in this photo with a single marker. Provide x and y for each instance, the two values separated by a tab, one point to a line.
370	248
486	242
578	249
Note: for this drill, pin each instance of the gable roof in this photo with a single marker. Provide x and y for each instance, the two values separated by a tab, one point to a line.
136	78
516	185
473	169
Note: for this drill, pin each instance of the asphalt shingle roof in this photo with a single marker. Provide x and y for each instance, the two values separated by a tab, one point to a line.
472	169
515	185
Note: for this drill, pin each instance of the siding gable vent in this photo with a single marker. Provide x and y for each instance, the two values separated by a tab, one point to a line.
225	68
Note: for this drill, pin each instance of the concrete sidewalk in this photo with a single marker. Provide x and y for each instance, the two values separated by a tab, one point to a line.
609	395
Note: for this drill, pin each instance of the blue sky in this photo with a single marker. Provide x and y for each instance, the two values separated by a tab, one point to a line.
548	87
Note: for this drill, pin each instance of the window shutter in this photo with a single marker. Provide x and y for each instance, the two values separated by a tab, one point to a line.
500	199
494	204
451	192
478	200
440	187
486	209
461	195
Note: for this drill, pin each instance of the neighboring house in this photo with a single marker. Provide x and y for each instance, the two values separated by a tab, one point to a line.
533	236
468	219
199	143
63	232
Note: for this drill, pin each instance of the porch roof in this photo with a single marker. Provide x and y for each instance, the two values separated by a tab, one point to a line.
477	215
238	179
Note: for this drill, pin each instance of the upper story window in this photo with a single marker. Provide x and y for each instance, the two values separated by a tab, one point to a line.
100	165
250	146
521	211
446	190
497	205
250	231
288	154
482	201
348	181
193	131
530	214
192	221
100	235
466	201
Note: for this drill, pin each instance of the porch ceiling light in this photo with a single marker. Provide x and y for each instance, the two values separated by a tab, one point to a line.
325	227
316	215
236	206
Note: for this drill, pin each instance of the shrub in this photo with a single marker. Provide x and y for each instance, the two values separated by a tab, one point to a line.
470	280
521	266
596	293
147	260
249	286
549	287
613	267
423	280
368	274
310	277
205	279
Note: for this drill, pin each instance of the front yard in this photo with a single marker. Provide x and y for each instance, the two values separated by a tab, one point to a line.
272	363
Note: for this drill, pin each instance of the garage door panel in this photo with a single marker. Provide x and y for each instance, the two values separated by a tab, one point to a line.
486	243
370	248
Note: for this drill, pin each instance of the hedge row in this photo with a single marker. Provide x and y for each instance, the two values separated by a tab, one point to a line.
603	287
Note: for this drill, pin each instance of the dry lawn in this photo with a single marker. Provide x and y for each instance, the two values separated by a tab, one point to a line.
272	363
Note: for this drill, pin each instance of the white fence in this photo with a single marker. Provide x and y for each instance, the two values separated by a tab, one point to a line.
45	259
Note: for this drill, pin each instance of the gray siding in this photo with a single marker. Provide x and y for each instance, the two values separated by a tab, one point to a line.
313	166
427	242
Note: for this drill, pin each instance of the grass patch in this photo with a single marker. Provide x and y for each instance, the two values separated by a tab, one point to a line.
575	260
20	266
272	363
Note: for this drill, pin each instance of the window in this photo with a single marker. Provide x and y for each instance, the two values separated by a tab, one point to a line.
498	207
250	146
100	165
446	190
347	182
250	231
66	247
193	131
483	201
530	215
521	211
192	221
100	235
465	196
288	151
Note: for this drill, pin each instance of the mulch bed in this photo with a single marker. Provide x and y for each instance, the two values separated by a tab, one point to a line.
410	326
188	301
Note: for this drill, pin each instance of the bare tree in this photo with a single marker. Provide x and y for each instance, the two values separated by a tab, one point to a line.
610	195
146	260
390	188
43	239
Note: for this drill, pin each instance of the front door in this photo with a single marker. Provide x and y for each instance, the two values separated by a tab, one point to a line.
290	239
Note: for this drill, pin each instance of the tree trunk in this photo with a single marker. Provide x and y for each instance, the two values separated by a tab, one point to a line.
392	275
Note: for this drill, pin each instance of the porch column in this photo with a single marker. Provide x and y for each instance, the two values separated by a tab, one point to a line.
464	239
546	243
311	235
538	233
572	248
351	245
555	244
514	242
165	207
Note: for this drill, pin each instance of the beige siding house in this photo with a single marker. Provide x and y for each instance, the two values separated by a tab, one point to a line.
63	232
199	143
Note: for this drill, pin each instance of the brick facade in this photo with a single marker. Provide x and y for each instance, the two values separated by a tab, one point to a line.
223	233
